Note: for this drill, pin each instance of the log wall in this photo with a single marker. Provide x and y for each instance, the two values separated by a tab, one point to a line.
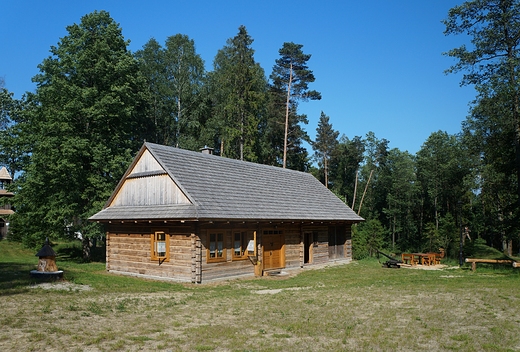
129	249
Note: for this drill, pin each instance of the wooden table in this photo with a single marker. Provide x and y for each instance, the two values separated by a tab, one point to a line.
416	258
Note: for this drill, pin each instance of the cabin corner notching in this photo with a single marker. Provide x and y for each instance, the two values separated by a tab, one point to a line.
195	217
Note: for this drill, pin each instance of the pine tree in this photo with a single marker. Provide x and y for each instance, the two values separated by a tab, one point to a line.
238	88
325	145
291	75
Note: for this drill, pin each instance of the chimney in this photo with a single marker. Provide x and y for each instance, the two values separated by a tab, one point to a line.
206	150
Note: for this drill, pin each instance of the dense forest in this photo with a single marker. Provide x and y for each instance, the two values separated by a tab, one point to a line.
68	143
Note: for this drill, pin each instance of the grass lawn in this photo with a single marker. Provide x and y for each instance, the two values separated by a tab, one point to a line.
355	307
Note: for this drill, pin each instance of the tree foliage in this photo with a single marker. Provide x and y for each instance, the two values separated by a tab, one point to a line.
492	65
344	166
13	149
292	75
84	128
325	144
175	76
238	89
69	142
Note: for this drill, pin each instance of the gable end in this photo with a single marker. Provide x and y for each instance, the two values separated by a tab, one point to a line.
148	184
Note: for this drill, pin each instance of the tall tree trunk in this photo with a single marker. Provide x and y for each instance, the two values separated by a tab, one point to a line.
178	130
287	118
325	166
87	255
242	123
355	190
365	191
393	233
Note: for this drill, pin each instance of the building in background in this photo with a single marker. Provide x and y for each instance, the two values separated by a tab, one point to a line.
5	201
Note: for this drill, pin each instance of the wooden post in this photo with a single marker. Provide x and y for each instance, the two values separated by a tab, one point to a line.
259	267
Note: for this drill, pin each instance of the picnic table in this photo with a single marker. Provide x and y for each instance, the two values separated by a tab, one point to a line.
420	258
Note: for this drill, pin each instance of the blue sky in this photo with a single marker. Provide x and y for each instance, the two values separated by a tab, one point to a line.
377	63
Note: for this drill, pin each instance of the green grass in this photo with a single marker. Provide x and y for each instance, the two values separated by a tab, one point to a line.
356	307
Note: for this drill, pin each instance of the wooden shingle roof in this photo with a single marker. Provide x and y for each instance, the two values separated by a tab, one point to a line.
226	189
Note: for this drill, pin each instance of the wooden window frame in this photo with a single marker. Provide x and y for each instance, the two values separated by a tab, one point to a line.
273	232
154	239
243	244
223	256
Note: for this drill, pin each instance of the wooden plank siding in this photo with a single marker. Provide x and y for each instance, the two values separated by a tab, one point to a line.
149	190
148	184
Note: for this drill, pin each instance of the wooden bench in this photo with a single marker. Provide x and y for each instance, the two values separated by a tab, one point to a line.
409	258
474	262
431	259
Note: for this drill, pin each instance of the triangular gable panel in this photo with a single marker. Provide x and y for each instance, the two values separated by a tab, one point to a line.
148	184
146	163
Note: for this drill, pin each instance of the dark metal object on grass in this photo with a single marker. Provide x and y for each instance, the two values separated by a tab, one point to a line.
391	262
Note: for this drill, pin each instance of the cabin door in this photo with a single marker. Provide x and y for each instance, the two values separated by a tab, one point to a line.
273	254
308	240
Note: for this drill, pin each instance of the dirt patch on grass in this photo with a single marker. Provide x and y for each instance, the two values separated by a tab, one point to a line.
425	267
61	285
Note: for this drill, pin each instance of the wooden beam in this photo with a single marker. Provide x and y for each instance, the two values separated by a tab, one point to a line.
490	261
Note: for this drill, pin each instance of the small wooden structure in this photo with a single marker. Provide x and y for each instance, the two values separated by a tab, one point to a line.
189	216
5	206
47	263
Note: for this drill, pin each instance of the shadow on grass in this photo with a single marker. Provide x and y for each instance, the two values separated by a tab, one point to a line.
15	278
74	253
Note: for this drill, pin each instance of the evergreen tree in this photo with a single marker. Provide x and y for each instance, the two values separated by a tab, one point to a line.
443	168
398	175
492	65
238	88
489	133
84	130
344	165
374	190
325	145
291	75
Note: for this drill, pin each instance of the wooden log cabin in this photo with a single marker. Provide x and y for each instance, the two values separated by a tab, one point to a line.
197	217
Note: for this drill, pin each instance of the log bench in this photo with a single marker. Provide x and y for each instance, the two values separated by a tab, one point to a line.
474	262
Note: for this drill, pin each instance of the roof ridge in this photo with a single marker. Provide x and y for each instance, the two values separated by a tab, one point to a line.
223	158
